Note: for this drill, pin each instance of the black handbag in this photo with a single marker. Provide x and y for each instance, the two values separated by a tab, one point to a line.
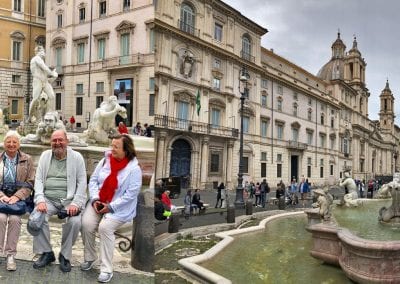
18	208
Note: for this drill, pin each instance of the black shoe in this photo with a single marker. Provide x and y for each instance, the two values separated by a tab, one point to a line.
45	259
65	264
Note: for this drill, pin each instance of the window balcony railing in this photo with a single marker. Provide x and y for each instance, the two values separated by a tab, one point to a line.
296	145
187	28
247	56
60	70
173	123
131	59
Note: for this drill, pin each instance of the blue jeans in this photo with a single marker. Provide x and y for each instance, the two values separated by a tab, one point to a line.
262	196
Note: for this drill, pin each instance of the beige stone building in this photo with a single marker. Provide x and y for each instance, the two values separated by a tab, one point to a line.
101	50
22	27
295	124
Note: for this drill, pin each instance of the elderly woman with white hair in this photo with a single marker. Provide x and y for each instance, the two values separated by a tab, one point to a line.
16	179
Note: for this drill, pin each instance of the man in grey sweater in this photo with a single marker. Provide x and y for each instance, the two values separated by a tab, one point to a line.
60	184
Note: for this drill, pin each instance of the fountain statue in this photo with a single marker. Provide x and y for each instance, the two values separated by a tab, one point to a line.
392	213
3	127
42	91
103	124
46	127
350	198
43	119
324	203
385	190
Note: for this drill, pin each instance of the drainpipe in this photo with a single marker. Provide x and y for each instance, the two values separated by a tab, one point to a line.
28	70
90	46
316	133
272	122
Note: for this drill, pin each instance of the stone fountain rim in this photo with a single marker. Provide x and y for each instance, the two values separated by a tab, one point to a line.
190	265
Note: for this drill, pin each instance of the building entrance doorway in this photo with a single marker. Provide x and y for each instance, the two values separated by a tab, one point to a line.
180	158
294	167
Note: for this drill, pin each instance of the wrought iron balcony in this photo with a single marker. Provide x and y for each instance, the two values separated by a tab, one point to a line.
294	145
247	56
173	123
187	28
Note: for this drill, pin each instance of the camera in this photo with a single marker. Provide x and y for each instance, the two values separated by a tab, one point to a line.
62	214
9	189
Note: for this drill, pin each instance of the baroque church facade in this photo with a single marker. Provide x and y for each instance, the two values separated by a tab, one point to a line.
295	124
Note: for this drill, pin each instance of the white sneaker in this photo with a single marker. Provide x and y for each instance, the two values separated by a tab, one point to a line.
104	277
11	264
87	265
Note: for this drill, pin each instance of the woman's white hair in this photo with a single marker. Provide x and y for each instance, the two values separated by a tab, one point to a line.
12	133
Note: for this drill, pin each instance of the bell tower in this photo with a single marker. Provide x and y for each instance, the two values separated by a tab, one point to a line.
386	113
355	66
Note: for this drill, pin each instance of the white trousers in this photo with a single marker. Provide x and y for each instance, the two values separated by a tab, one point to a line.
91	222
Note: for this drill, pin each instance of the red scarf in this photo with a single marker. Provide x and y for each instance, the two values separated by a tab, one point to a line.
111	182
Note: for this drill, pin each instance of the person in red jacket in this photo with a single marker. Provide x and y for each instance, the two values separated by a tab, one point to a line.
122	129
166	200
72	122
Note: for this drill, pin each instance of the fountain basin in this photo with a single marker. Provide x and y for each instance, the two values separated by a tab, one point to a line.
362	260
271	252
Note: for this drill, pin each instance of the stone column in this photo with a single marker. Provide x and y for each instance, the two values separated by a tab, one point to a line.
160	154
195	169
228	166
142	254
204	161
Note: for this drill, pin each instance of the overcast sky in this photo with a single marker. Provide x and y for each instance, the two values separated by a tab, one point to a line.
303	31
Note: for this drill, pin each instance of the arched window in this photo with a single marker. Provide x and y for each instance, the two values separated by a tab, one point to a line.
246	47
187	22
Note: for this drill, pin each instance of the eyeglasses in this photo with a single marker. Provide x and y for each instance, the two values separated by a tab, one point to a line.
59	140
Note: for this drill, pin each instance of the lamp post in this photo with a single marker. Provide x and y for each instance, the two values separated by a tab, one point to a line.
243	90
87	118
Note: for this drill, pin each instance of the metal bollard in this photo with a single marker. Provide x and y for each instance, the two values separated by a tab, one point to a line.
142	254
173	224
281	203
249	207
230	216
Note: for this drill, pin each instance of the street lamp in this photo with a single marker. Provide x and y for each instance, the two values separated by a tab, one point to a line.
87	118
243	90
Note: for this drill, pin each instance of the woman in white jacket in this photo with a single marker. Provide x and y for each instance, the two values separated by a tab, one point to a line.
113	187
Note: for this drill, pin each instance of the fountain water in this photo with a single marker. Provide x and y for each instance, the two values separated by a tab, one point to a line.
279	252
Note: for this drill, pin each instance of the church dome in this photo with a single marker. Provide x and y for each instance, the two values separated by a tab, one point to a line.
334	69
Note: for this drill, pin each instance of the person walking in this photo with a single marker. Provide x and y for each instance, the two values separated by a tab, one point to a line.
187	201
257	193
304	188
264	192
219	194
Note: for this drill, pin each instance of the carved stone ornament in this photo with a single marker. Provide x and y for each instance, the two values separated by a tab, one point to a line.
187	64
